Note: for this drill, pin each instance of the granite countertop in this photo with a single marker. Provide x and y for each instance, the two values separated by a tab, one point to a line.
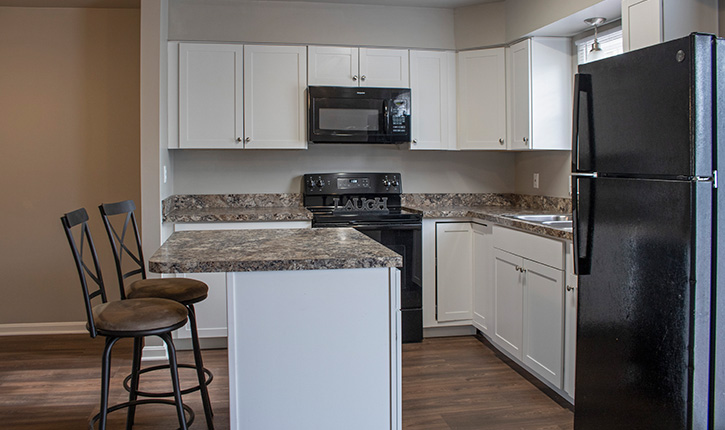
270	250
232	214
496	214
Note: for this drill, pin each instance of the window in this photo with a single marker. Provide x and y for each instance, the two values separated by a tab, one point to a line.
610	42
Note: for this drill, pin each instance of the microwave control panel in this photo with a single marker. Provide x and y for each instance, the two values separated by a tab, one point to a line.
400	115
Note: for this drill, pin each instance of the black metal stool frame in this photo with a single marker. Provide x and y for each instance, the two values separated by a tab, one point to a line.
119	247
80	217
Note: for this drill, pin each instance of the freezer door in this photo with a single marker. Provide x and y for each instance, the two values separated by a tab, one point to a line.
636	294
647	112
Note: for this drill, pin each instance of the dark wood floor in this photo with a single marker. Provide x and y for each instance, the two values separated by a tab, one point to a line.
53	382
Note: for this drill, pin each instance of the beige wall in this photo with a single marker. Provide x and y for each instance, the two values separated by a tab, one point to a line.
553	168
525	16
480	25
311	23
199	171
721	25
69	137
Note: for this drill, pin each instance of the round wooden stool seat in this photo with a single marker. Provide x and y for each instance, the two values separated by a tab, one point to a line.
182	290
139	316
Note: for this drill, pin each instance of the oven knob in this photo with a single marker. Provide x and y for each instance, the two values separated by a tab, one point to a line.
311	183
386	182
395	182
320	183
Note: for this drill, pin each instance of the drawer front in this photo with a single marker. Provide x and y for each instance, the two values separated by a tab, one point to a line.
530	246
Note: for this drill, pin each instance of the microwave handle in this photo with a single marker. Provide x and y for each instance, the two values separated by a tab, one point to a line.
386	117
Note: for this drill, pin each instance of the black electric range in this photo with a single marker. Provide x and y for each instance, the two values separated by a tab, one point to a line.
371	203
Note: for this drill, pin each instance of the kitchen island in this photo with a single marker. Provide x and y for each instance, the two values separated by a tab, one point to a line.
313	317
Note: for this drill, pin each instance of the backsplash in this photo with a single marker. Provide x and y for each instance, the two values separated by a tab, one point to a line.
543	203
203	201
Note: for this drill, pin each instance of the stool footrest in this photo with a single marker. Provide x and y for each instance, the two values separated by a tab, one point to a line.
187	409
207	372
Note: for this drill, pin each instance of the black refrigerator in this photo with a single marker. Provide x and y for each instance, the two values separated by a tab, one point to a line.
647	142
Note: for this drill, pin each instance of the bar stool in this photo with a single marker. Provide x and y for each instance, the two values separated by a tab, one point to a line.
184	291
124	319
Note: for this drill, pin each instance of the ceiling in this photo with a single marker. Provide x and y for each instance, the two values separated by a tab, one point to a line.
136	3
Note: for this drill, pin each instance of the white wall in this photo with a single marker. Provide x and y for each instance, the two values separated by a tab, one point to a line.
260	171
311	23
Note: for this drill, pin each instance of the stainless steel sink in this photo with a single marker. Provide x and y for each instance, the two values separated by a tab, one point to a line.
563	222
543	218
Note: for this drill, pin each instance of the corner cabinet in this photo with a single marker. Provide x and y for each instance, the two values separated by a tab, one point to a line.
364	67
433	84
539	86
482	99
453	271
224	96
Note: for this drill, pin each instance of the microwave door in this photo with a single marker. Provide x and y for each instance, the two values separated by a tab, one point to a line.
346	120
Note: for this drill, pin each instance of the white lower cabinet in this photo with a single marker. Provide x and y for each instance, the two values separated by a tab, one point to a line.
453	271
529	301
570	316
482	277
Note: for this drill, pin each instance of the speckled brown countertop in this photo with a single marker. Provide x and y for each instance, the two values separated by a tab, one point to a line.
270	250
232	214
496	214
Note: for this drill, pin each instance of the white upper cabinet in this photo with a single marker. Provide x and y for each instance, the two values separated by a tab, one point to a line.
209	96
648	22
539	85
333	66
482	99
365	67
433	87
235	96
384	68
274	96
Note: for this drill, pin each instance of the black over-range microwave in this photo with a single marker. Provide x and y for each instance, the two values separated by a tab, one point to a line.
358	115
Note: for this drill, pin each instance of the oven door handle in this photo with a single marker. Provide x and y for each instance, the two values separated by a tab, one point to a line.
387	227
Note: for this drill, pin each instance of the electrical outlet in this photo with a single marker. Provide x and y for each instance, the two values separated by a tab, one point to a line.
536	180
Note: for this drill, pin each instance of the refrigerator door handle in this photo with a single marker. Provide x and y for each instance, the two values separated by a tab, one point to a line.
582	263
585	175
582	84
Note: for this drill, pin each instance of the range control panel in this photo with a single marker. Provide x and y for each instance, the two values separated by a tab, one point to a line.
351	183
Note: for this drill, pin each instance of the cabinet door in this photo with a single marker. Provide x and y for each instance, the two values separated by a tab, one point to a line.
211	314
433	84
519	63
543	321
384	68
333	66
453	271
641	23
570	308
482	278
210	95
508	302
275	78
482	99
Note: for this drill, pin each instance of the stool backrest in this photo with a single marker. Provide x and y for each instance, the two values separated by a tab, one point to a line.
70	220
118	241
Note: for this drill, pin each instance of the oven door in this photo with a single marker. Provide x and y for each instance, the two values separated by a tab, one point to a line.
358	115
405	239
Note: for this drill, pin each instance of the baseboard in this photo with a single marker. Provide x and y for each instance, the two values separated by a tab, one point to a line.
154	352
26	329
459	330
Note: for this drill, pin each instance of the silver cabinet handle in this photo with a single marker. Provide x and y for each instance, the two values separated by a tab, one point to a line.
362	78
354	77
239	139
500	141
249	139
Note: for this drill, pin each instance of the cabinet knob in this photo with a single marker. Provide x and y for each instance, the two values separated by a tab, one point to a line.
362	78
415	141
249	139
569	288
500	141
239	139
526	140
354	77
